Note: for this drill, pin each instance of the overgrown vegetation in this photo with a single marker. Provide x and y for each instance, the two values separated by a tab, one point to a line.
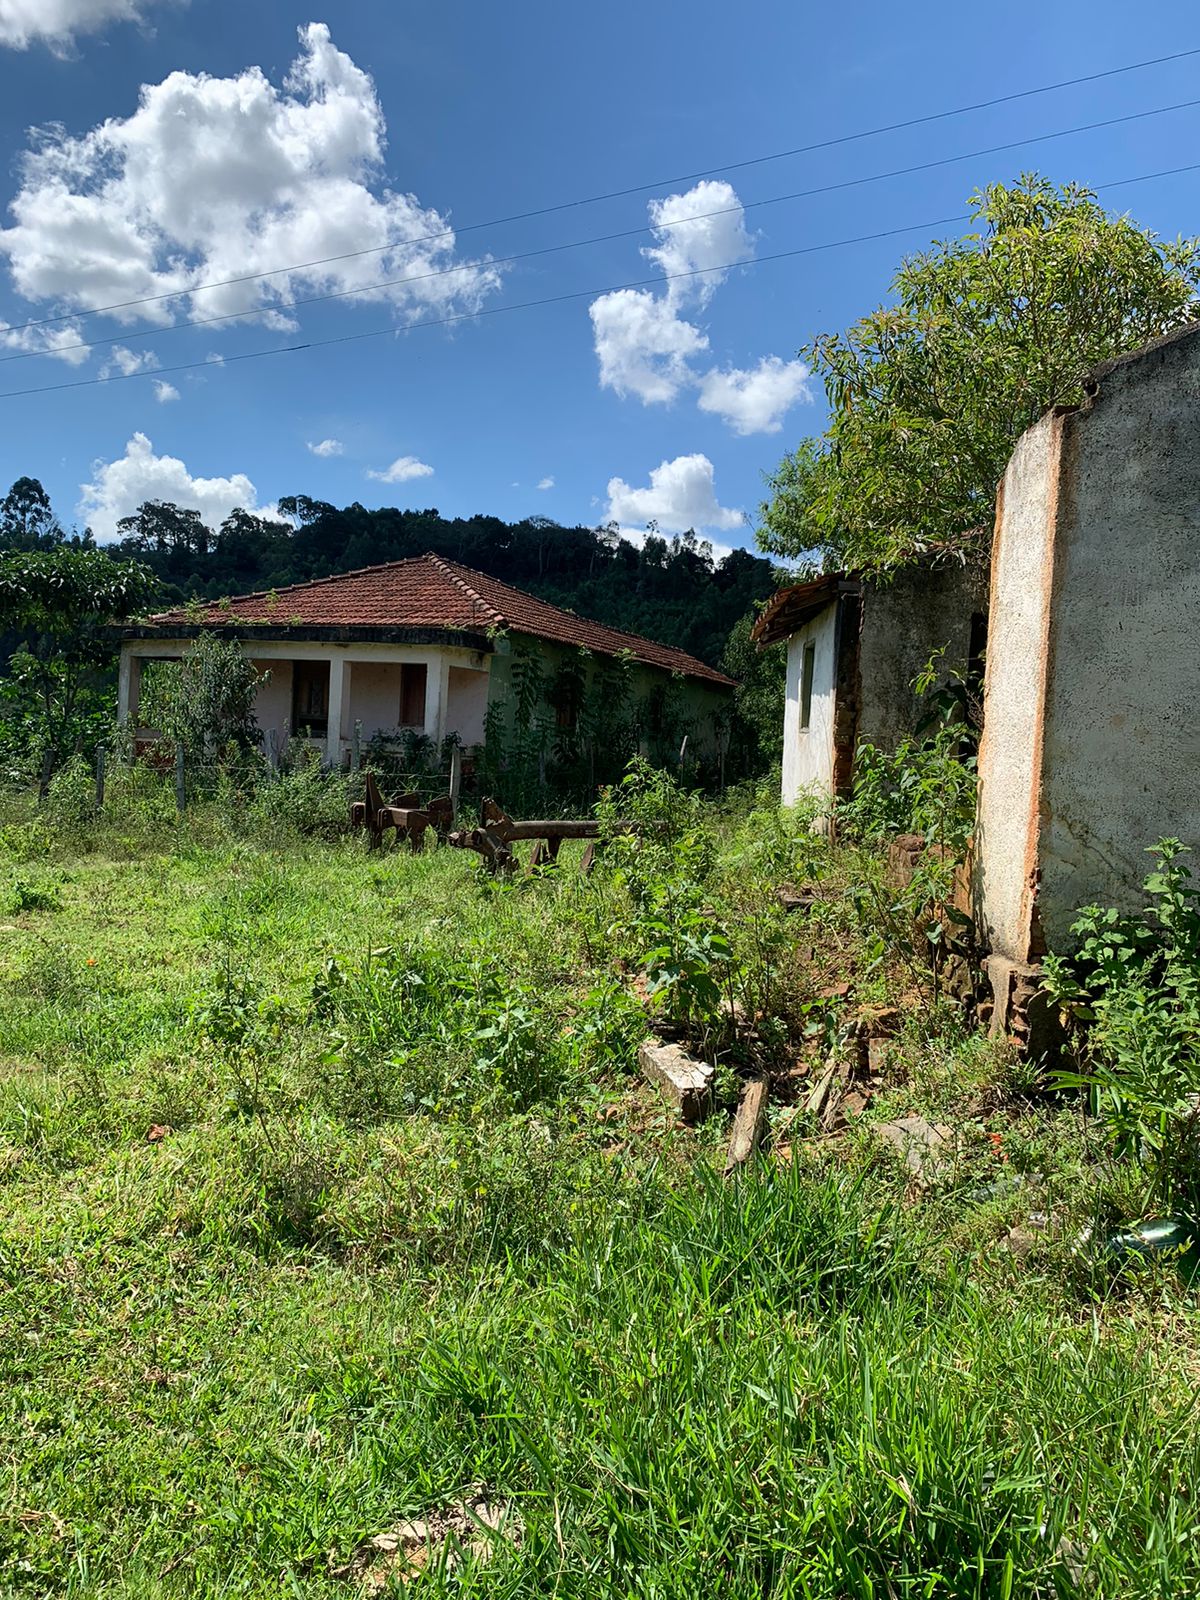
329	1190
1133	988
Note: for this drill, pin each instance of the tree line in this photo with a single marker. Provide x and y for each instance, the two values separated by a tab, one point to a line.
671	590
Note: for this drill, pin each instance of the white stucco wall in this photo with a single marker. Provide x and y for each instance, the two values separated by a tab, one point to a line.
808	752
273	703
1010	752
374	695
467	705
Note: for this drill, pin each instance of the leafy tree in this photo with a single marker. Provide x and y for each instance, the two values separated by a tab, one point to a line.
206	701
757	733
162	526
58	605
27	520
929	395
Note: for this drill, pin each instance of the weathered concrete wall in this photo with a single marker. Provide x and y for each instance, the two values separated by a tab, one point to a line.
808	754
1092	739
1122	720
1010	751
921	610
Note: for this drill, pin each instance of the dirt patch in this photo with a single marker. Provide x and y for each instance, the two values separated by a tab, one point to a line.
470	1527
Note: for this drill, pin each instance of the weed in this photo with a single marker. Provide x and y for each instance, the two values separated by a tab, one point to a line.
1134	987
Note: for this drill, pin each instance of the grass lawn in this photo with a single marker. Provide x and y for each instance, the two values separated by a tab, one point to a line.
330	1198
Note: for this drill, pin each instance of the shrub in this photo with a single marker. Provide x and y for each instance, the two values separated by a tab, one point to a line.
205	701
304	798
1134	987
922	787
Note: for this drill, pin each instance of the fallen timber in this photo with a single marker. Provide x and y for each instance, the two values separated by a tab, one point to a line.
498	832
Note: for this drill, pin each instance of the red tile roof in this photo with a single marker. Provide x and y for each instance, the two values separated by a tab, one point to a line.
429	592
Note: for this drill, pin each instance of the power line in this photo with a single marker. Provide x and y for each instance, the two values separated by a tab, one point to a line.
604	238
618	194
545	300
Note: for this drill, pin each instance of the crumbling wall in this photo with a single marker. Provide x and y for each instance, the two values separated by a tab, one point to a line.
1121	751
1091	744
904	622
1006	832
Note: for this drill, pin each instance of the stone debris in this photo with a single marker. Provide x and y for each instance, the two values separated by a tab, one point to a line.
681	1078
469	1527
927	1147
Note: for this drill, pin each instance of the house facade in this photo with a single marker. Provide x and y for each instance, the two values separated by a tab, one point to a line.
853	650
426	646
1091	743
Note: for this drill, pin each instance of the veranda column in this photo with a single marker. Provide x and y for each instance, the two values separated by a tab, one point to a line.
129	683
437	688
337	678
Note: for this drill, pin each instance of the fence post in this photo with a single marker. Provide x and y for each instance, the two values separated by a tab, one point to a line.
180	787
455	779
356	746
273	749
99	777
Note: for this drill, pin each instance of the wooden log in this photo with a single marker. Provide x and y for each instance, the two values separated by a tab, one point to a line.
749	1124
821	1091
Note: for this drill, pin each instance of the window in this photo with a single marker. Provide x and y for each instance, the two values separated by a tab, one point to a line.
806	684
413	678
310	698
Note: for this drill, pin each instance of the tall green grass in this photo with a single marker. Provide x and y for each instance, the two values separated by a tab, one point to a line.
414	1224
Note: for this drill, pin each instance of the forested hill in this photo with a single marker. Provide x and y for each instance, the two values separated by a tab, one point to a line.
669	590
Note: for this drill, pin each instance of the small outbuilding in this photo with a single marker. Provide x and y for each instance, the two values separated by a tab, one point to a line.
429	647
1091	737
854	648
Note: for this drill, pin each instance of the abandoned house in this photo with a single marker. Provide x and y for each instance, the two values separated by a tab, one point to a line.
1091	743
428	646
853	650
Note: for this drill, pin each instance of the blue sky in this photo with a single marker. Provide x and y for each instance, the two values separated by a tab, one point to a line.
273	134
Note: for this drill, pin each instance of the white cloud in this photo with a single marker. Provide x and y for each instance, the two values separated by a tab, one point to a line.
681	495
56	22
684	245
326	447
125	361
401	470
643	346
647	348
546	483
755	400
117	489
214	178
165	392
46	341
